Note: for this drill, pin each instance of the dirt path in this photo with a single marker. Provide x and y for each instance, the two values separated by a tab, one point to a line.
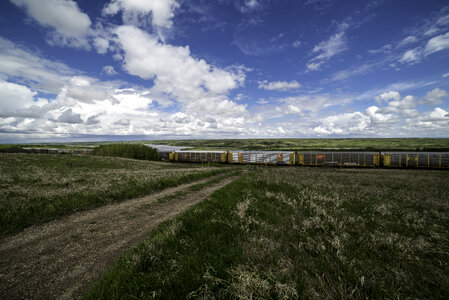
62	258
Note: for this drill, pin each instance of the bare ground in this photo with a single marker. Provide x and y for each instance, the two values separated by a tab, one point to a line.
62	258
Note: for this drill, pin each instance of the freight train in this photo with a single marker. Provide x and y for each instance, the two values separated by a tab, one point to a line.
438	160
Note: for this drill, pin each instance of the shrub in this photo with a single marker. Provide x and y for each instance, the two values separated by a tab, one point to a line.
135	151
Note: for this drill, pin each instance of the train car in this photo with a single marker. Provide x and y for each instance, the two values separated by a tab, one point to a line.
164	155
262	157
81	151
199	156
52	151
340	159
415	159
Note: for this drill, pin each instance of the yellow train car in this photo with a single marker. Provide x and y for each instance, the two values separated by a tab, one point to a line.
340	159
437	160
262	157
199	156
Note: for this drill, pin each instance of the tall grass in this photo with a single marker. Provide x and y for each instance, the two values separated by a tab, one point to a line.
36	188
135	151
299	233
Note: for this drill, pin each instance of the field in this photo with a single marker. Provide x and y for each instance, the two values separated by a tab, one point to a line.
287	232
36	188
219	231
362	144
369	144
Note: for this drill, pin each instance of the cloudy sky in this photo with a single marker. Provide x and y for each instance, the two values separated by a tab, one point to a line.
149	69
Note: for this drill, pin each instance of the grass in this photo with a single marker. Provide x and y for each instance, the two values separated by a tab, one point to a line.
36	188
287	232
356	144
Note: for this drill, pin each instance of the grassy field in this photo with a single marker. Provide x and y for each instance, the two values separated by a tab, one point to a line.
374	144
364	144
35	188
287	232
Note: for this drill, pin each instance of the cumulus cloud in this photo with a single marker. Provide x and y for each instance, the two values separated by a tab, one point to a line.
192	82
69	117
68	23
385	97
109	70
346	123
395	116
14	97
329	48
101	44
135	11
435	97
278	85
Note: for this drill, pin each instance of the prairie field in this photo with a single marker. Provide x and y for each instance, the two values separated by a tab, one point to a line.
356	144
289	232
36	188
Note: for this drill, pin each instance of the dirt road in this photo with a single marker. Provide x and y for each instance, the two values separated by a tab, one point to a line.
61	259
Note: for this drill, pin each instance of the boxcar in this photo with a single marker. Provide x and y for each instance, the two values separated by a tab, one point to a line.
164	155
355	159
199	156
416	159
262	157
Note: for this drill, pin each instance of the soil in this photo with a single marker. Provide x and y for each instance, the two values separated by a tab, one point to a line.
63	258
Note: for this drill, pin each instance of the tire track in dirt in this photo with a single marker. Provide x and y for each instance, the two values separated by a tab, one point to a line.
62	258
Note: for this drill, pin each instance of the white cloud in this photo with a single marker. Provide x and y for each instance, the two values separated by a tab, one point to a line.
278	85
14	97
293	110
327	49
408	40
344	74
37	72
445	75
438	24
296	44
176	73
411	56
343	124
435	97
69	117
109	70
134	11
377	117
70	25
437	115
385	97
438	43
101	44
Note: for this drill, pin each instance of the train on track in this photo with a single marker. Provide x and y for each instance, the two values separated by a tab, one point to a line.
437	160
434	160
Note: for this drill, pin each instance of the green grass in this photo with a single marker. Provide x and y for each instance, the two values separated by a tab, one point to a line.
36	188
290	232
362	144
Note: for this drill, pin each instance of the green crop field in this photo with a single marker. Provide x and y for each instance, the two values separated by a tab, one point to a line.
368	144
288	232
35	188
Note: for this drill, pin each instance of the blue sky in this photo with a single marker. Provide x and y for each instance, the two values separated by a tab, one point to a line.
134	69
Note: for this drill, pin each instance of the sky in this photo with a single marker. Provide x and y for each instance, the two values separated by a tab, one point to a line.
177	69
